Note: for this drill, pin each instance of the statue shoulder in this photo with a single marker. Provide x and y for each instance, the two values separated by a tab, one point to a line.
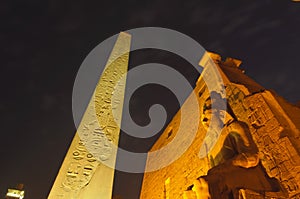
237	126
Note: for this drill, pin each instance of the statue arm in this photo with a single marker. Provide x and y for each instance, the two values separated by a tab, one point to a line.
246	160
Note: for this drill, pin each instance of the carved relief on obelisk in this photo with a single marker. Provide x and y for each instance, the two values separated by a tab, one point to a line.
88	168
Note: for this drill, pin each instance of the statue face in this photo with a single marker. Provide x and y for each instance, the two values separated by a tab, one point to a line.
206	118
214	118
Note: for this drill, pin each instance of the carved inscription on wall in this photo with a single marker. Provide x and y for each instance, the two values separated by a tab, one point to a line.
278	155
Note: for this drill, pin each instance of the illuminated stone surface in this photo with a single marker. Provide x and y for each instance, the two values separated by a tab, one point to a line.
84	173
15	194
274	126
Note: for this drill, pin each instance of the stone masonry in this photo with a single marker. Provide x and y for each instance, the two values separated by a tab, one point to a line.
274	126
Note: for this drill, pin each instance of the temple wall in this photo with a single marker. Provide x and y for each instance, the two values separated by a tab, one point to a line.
272	129
273	133
174	179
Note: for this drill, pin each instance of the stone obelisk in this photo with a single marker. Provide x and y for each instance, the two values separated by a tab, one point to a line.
88	168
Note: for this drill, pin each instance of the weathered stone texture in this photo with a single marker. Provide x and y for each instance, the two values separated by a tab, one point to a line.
88	168
274	131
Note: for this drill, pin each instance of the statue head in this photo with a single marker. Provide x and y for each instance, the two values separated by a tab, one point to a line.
215	110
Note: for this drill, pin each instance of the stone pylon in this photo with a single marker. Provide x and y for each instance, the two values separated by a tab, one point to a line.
274	125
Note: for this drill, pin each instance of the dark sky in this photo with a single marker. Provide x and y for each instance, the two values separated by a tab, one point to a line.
44	42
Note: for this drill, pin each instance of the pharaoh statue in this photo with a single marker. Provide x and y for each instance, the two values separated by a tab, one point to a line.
236	165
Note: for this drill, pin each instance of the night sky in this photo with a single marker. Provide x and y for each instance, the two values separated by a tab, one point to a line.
43	44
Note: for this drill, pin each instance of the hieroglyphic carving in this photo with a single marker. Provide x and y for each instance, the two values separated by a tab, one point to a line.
278	155
265	118
76	172
88	168
98	140
80	169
